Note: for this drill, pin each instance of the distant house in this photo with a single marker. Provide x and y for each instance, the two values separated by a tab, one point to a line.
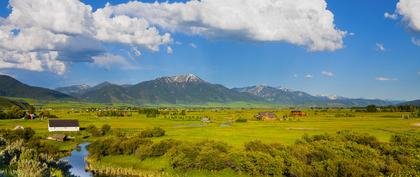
63	125
297	113
31	116
266	116
57	137
205	120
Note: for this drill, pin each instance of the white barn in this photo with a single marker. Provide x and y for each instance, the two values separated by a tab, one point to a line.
63	125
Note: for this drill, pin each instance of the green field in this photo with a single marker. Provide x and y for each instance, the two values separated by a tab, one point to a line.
223	128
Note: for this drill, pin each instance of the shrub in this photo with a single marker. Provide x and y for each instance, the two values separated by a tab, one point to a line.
371	108
154	132
241	120
106	128
157	149
260	164
94	131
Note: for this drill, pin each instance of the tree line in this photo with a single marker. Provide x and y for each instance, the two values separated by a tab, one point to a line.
344	153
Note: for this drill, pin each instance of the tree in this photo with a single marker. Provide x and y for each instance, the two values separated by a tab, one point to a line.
371	108
106	128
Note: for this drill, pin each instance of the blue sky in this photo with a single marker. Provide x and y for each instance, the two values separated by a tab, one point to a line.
358	69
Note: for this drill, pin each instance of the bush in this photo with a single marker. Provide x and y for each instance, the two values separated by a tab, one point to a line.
105	128
157	149
260	164
371	108
12	113
151	113
241	120
154	132
113	113
344	153
94	131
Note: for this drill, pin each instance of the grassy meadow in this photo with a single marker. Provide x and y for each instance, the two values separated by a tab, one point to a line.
189	127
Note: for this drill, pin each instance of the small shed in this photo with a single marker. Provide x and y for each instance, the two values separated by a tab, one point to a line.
205	120
266	116
297	113
57	137
63	125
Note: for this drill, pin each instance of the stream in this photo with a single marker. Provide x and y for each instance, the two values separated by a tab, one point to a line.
77	161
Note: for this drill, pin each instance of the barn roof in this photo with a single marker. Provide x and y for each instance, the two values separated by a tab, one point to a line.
63	123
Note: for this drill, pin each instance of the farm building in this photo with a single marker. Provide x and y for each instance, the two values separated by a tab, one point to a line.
266	116
298	113
205	120
63	125
57	137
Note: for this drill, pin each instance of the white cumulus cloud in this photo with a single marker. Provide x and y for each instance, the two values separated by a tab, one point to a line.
415	41
390	16
327	73
380	47
381	78
410	9
299	22
309	76
193	45
46	34
109	60
169	50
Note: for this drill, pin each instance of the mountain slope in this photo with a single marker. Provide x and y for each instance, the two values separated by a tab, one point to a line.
414	102
7	103
13	88
187	89
183	89
74	90
279	96
298	98
107	93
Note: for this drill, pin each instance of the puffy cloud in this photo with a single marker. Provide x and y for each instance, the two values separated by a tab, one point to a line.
136	51
300	22
121	28
169	50
380	47
409	9
109	60
385	79
327	73
309	76
33	61
46	34
64	16
193	45
390	16
415	41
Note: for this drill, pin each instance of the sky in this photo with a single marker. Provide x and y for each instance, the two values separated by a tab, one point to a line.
357	48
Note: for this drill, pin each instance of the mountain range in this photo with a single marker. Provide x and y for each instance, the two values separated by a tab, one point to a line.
13	88
183	89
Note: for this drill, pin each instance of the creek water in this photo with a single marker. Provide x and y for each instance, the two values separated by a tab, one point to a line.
78	162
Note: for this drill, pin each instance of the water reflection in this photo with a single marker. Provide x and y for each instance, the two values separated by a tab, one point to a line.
77	161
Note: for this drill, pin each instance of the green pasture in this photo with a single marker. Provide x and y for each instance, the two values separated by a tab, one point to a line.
223	127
